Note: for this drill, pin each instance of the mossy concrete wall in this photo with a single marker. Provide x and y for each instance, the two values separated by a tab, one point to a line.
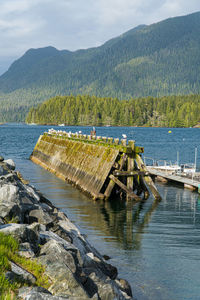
85	164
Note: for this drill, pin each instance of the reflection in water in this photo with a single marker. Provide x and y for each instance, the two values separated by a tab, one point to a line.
124	221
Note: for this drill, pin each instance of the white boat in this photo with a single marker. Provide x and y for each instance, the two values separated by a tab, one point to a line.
61	124
163	165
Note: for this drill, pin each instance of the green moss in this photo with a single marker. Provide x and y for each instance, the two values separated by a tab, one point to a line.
60	140
8	252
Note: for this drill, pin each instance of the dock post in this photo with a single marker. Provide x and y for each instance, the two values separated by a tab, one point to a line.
130	167
147	178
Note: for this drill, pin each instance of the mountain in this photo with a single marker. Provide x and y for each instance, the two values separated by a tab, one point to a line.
155	60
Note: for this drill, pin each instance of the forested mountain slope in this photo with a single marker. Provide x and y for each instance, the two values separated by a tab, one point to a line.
171	111
155	60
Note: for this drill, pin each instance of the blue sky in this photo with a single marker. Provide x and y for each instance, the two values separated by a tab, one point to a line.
76	24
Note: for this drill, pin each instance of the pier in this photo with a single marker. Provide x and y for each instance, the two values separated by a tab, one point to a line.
102	167
191	182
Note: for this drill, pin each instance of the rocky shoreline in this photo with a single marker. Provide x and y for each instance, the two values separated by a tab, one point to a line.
74	268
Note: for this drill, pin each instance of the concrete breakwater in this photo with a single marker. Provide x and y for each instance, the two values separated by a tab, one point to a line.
102	167
75	269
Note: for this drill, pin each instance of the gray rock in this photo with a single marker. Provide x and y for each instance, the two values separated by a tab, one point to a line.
103	288
8	212
25	250
32	192
2	222
57	252
3	171
60	267
8	193
93	262
36	293
40	216
61	232
11	276
125	286
21	232
23	274
46	236
10	164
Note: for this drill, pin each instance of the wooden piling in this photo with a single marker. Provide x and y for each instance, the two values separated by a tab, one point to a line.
147	178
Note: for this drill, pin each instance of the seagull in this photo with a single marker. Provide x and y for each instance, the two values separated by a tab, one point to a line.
124	136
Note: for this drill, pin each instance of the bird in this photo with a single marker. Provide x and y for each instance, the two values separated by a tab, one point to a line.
124	136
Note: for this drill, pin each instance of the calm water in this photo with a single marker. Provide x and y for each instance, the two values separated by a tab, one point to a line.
155	246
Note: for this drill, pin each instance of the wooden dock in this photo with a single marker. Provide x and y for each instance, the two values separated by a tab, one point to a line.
167	177
100	166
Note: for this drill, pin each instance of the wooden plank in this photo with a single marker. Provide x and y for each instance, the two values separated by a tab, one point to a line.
176	178
109	189
147	179
129	173
122	186
144	188
130	178
111	184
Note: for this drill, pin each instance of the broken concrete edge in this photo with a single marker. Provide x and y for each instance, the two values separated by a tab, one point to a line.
75	269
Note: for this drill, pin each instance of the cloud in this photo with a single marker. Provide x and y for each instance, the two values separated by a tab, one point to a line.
75	24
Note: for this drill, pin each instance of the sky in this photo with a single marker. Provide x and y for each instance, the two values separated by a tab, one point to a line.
76	24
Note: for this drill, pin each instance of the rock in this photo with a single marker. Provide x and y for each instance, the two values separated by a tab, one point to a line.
46	236
8	193
26	250
62	233
36	293
40	216
3	171
63	267
21	232
90	261
10	212
2	222
23	275
125	286
1	158
11	276
103	288
10	164
63	280
57	251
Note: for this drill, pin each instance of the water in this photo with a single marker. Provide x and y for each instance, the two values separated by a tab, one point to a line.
155	246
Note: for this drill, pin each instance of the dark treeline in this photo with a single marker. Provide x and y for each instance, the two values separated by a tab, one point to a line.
170	111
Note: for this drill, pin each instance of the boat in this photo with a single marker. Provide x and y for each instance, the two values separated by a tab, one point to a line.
170	168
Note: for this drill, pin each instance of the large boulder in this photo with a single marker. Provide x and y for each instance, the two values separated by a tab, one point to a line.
62	268
22	233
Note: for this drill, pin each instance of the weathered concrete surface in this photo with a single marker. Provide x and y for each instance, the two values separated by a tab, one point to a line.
84	164
75	269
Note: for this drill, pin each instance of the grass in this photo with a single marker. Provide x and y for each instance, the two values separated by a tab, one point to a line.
9	252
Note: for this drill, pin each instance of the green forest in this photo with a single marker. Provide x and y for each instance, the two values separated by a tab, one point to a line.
170	111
